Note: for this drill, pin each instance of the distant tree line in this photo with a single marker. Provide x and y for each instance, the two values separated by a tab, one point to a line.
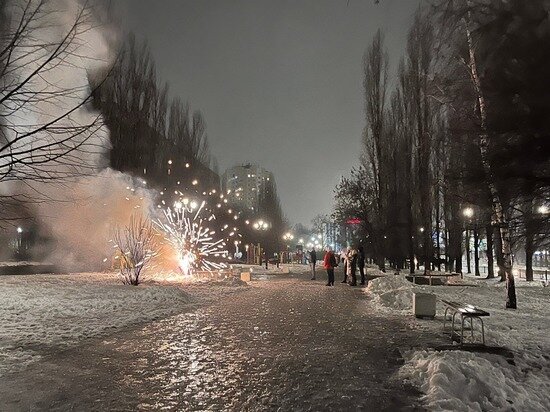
163	141
152	135
459	143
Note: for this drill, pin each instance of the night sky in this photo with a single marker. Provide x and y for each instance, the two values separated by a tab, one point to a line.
279	82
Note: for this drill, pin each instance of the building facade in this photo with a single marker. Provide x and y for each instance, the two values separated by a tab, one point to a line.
244	185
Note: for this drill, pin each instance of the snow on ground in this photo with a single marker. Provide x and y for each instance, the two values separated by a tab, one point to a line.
55	311
462	380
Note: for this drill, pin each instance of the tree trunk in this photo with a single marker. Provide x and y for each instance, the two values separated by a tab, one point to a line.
490	268
410	231
438	233
468	257
449	264
476	252
529	250
483	143
500	258
458	264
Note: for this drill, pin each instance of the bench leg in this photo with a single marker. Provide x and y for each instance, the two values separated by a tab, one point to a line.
445	318
453	325
462	318
482	331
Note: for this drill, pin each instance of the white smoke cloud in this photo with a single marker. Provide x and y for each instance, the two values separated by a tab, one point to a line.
77	213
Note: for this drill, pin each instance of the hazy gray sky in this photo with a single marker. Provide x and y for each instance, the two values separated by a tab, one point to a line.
279	82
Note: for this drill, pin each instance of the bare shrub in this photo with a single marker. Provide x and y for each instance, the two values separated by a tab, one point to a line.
136	246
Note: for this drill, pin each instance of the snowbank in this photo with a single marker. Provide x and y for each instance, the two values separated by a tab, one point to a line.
44	311
467	381
464	381
392	292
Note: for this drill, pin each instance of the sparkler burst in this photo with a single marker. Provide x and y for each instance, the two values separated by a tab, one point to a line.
191	237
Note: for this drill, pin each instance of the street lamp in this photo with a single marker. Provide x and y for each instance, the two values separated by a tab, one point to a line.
261	225
468	212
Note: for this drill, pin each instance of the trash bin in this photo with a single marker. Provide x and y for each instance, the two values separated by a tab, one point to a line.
424	305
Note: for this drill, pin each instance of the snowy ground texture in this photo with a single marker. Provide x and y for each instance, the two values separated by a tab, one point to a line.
472	381
56	311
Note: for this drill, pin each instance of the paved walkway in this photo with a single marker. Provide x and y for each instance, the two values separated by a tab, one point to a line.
284	344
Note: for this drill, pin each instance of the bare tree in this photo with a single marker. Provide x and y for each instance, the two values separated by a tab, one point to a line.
137	246
44	135
376	156
35	149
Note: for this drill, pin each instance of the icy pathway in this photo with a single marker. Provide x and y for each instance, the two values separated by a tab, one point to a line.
281	344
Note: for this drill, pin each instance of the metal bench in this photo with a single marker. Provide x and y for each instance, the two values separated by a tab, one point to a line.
466	312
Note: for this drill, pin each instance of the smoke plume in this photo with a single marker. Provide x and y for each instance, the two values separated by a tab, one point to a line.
75	199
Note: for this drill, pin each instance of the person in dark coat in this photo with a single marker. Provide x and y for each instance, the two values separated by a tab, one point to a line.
352	265
312	261
329	262
361	263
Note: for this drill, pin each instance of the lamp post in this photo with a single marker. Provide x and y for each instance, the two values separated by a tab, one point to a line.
261	226
19	240
288	237
468	213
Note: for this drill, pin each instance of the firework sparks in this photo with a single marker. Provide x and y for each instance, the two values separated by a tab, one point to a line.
188	233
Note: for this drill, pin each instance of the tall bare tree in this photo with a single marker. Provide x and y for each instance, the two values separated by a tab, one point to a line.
47	132
375	158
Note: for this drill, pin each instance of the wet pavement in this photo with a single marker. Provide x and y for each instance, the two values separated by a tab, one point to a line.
287	343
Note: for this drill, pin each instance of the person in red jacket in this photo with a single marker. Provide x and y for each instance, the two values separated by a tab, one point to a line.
329	262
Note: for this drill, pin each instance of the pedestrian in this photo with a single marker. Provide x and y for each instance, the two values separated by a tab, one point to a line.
352	265
312	261
329	262
361	263
344	258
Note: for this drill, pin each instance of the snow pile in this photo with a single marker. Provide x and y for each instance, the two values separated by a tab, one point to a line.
374	270
56	311
392	291
466	381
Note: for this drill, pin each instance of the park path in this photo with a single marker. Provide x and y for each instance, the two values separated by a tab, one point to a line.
281	344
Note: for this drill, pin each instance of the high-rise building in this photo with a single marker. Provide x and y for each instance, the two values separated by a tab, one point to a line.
244	185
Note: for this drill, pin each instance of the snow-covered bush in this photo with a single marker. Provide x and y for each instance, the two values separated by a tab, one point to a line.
136	245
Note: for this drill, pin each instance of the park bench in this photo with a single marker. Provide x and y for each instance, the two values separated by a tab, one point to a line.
430	276
466	312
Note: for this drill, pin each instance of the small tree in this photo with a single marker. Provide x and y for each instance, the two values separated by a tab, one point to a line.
136	247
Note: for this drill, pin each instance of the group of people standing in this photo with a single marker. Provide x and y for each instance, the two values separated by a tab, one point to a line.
352	258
